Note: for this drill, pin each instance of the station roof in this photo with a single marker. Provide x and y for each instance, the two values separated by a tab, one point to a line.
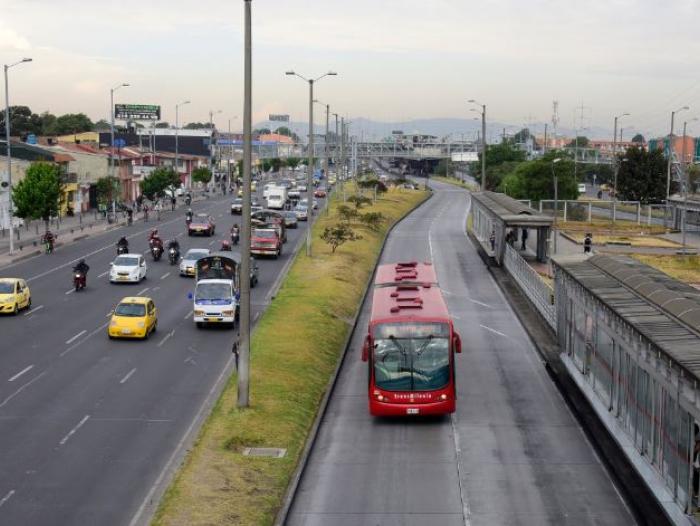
402	302
511	211
665	311
409	272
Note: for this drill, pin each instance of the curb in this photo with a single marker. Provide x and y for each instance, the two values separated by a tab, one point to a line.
634	491
290	494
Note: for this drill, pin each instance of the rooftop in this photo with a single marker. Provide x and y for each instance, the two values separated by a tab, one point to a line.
406	272
408	302
510	210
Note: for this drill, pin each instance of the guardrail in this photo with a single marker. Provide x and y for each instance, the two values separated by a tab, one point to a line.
540	294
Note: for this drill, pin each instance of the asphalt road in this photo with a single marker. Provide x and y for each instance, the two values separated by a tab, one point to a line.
512	453
87	425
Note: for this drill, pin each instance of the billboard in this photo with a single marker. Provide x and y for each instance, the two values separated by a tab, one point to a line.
137	112
465	157
279	118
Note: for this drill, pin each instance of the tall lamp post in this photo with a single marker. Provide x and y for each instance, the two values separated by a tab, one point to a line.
244	318
8	151
615	166
310	170
483	141
177	143
211	138
230	149
556	201
111	144
670	161
325	146
335	145
686	183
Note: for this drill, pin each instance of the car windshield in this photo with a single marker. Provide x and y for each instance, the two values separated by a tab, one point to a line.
237	201
200	219
130	310
411	357
126	261
213	291
196	254
7	288
265	234
290	215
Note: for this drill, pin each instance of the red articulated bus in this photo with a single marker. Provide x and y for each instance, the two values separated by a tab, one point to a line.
410	344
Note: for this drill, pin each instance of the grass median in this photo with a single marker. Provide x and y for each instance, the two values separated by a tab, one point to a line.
294	350
457	182
682	268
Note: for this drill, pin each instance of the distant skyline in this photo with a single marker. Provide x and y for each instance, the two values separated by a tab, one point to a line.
397	60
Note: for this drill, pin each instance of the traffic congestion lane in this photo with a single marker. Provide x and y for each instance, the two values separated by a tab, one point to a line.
517	455
165	375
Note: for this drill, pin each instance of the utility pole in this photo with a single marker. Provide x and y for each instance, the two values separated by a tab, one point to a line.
342	146
483	142
544	146
177	143
244	318
111	150
328	109
211	138
670	162
615	166
686	184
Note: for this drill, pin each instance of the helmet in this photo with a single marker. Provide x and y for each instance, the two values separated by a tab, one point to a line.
81	262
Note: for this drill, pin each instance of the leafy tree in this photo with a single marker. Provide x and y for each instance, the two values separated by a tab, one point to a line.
73	123
266	165
535	179
582	142
275	164
261	131
48	123
694	178
293	162
339	234
444	168
372	220
501	160
102	125
639	139
162	125
520	137
38	195
105	189
284	130
346	213
603	172
239	167
155	184
201	175
22	121
197	126
359	201
641	175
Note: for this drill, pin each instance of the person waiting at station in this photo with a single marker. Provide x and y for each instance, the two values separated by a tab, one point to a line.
523	239
492	240
588	243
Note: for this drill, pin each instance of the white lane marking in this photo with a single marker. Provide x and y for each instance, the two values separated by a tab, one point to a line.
141	292
73	431
103	274
128	375
212	242
466	512
255	318
18	391
7	497
71	291
23	371
178	235
480	303
165	275
76	337
493	330
32	311
108	314
166	338
188	314
69	349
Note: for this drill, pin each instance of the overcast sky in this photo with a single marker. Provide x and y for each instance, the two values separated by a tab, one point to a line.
396	59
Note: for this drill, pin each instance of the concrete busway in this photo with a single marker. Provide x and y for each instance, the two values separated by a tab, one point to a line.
511	454
88	426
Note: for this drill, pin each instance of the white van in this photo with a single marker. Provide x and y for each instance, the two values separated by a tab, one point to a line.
277	198
267	188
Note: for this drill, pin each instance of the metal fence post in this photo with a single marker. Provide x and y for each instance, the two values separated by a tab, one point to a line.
590	212
565	210
639	213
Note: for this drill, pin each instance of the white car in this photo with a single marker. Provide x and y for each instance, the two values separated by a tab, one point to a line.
305	202
189	261
127	268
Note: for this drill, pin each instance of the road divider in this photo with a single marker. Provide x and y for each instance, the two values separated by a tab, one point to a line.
316	303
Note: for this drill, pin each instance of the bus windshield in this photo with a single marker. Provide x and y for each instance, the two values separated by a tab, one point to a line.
411	357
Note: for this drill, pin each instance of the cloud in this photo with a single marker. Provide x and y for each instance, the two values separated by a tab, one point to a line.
10	40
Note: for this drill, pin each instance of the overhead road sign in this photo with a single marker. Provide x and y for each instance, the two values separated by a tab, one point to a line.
137	112
279	118
465	157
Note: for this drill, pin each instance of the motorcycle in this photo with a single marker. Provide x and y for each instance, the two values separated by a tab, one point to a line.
79	280
122	249
156	252
188	200
225	246
48	244
173	256
234	237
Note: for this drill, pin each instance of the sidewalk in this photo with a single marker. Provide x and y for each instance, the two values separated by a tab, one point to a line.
72	229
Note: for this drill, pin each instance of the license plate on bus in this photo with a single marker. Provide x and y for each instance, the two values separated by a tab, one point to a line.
412	411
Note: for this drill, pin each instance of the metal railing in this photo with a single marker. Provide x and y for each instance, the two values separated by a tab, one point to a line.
540	294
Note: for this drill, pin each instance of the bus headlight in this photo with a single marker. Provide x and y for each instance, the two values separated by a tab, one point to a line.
227	313
199	313
443	396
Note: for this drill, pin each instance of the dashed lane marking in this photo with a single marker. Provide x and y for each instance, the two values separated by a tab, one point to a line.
75	345
22	388
74	430
103	274
76	337
128	375
142	291
188	315
71	291
166	338
23	371
165	275
32	311
7	497
494	331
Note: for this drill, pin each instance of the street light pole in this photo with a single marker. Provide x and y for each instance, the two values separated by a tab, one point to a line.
686	183
326	150
670	154
211	137
177	142
8	151
556	201
111	149
615	167
310	167
483	142
244	318
335	145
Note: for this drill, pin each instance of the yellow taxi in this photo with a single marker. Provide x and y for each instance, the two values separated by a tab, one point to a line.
133	317
240	192
253	186
14	295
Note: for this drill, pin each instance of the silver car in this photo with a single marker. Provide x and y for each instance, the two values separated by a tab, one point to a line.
290	219
189	260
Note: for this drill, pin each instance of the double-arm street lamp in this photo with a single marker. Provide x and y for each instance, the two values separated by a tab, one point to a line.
8	183
325	146
111	144
556	201
615	166
310	168
483	141
177	143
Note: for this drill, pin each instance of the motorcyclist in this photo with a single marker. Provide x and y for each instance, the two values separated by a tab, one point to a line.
123	243
81	267
173	244
48	238
154	239
188	216
235	234
225	245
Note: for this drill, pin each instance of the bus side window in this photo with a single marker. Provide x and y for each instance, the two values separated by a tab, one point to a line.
365	349
457	343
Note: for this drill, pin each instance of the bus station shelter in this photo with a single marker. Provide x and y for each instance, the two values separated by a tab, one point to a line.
496	214
629	336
